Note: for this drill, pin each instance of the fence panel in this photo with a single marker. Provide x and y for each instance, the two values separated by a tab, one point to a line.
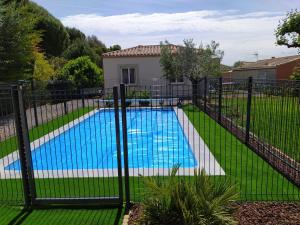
11	188
74	147
216	129
245	132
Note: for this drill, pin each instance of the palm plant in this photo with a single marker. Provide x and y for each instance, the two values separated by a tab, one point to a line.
178	201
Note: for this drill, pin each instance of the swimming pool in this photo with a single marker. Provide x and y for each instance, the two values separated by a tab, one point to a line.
155	140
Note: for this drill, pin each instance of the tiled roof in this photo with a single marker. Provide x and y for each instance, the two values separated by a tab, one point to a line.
140	50
268	63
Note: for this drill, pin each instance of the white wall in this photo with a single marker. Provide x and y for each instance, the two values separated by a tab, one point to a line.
148	68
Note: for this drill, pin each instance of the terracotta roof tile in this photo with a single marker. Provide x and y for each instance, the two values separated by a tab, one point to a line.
268	63
140	50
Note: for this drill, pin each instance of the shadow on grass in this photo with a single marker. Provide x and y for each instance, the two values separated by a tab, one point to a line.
13	215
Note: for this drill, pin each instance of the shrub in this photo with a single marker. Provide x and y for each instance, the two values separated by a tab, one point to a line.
82	72
143	95
80	48
179	201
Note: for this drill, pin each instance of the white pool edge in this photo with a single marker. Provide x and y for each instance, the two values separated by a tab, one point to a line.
201	152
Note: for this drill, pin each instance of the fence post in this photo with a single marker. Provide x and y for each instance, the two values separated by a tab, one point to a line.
205	93
24	146
82	98
249	97
125	144
34	102
220	99
117	122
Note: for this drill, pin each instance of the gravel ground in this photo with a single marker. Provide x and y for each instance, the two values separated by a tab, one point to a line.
268	213
252	213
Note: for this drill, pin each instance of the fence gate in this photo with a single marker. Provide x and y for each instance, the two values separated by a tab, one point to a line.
69	152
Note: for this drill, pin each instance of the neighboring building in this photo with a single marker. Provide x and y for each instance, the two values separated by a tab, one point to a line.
267	69
137	66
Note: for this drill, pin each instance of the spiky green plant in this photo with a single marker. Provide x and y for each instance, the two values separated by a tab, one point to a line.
180	201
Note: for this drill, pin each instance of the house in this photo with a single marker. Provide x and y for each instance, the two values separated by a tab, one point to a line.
266	69
137	66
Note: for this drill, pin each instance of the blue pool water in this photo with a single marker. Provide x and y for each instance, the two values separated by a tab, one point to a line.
155	140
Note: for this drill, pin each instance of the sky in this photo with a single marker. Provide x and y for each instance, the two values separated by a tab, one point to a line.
242	27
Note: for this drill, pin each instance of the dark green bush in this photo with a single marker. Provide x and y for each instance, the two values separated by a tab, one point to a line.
180	201
82	72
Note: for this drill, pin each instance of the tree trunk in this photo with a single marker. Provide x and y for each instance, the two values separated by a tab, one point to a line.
194	91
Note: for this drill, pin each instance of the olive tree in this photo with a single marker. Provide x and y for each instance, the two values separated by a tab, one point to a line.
191	62
288	30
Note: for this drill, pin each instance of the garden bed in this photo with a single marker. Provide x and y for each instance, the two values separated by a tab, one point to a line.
251	213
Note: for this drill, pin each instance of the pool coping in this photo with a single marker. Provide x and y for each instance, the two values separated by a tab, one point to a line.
199	148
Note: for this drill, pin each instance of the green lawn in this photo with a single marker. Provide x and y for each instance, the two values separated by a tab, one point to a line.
15	215
256	179
274	119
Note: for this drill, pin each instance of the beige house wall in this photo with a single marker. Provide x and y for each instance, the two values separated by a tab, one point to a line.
148	72
268	74
148	69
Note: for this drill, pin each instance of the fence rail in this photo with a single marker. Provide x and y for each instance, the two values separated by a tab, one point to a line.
69	146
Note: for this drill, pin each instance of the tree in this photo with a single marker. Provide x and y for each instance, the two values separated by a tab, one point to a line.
55	38
17	43
75	34
82	72
98	46
43	70
167	60
288	30
296	74
191	62
114	48
80	48
238	64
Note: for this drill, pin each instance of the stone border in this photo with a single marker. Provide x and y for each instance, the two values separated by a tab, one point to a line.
201	152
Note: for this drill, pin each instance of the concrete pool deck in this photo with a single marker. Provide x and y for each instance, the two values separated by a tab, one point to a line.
200	150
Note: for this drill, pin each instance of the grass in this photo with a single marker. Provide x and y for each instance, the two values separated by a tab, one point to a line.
15	215
256	178
274	119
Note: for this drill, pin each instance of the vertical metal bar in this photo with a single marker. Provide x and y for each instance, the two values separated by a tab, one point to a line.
65	102
249	97
220	99
34	102
24	146
205	93
117	122
125	144
82	98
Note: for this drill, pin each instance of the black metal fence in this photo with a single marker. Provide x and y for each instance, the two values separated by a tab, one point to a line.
66	146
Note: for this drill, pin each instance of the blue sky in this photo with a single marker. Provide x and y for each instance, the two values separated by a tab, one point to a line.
241	27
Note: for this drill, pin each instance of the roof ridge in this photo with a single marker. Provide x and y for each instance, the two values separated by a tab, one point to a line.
139	50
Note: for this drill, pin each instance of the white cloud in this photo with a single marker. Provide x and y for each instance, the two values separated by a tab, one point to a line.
240	34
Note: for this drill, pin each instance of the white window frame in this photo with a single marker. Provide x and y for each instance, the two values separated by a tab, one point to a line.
128	67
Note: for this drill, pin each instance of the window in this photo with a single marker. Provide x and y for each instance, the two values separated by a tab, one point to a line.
128	75
177	79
